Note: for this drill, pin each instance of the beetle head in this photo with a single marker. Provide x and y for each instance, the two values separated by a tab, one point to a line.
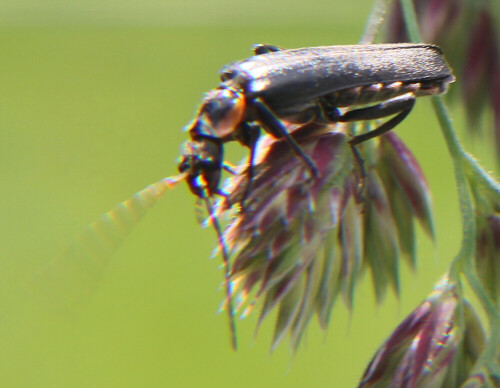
202	161
221	112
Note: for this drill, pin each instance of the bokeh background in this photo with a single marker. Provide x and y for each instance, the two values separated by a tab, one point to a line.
93	98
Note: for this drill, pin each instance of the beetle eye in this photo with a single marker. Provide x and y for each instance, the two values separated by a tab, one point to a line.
184	164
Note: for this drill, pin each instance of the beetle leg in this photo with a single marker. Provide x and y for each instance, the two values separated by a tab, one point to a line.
402	105
250	137
261	48
328	111
230	168
276	128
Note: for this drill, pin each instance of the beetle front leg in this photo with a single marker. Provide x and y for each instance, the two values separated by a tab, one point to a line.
276	128
401	105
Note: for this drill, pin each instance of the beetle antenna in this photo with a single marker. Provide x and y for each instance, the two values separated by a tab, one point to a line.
227	271
71	278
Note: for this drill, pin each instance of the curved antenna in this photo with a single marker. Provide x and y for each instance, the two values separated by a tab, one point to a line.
70	279
227	271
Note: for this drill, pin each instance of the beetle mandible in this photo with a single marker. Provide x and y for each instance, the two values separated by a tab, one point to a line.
306	85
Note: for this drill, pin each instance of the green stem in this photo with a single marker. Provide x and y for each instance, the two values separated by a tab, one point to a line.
376	17
462	163
465	199
410	19
481	177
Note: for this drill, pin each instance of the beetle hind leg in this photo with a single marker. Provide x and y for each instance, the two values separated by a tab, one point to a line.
401	106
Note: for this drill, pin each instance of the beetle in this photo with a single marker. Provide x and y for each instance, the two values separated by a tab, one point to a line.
298	86
270	90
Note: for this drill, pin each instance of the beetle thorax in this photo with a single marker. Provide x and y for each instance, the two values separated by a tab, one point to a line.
220	113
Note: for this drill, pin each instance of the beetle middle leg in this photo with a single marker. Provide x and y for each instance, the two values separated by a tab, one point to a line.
402	105
275	127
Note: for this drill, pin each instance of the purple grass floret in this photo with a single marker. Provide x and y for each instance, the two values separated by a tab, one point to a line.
488	251
431	347
300	242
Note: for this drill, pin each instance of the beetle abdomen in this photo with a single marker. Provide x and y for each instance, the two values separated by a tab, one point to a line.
361	95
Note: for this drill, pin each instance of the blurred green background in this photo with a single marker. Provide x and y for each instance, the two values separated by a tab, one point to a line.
94	95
